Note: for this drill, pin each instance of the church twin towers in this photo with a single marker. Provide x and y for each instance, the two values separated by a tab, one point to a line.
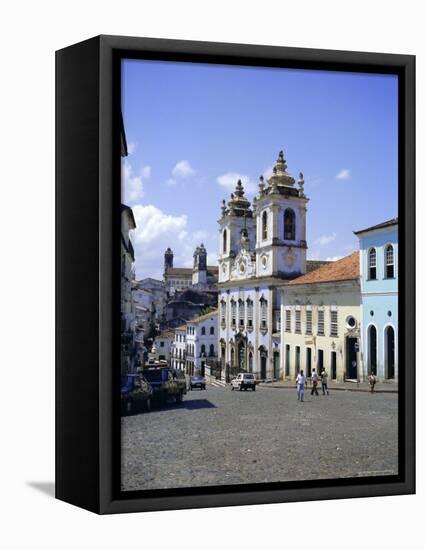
269	239
262	246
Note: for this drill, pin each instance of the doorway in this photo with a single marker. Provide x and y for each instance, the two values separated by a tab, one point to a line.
263	367
390	352
287	359
308	362
276	365
320	361
351	366
333	365
297	358
241	356
372	339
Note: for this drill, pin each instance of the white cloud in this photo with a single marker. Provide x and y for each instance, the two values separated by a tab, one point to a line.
326	239
268	172
343	174
171	182
152	223
333	258
145	172
230	179
132	183
183	169
131	147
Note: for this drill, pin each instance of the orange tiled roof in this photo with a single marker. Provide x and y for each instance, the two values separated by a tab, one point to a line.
345	269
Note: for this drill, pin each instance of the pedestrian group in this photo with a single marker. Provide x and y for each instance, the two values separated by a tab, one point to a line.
301	381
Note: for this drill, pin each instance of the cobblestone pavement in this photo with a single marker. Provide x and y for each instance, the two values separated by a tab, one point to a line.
220	437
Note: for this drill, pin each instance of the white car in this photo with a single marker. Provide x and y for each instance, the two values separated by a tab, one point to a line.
243	381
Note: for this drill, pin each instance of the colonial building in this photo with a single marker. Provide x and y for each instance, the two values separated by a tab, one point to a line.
201	342
379	288
321	318
128	318
178	348
163	345
261	248
151	290
201	276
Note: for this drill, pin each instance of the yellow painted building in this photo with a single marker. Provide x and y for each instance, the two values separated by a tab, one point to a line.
320	322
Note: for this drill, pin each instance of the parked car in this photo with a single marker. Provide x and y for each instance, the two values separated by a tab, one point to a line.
243	381
136	394
197	382
167	384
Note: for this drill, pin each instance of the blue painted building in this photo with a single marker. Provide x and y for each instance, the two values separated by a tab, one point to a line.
379	289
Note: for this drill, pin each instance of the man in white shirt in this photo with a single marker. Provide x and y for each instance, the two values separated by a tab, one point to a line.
314	380
300	380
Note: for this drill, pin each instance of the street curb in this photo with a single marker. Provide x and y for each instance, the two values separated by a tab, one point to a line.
330	389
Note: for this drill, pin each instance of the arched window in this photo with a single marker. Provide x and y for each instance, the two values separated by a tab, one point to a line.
203	331
372	264
202	349
211	350
211	330
289	225
264	228
389	261
224	242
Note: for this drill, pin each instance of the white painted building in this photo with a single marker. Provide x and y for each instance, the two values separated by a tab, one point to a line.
201	342
128	316
178	348
163	345
261	248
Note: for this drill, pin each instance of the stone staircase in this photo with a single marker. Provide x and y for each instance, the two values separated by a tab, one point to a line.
217	383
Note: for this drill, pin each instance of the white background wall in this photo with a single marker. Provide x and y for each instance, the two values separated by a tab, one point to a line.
30	32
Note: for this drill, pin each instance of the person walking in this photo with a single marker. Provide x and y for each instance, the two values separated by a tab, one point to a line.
314	380
324	376
372	382
301	381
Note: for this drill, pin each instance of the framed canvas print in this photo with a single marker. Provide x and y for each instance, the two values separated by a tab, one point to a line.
235	274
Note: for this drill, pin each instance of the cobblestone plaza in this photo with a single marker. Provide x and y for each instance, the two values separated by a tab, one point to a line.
220	437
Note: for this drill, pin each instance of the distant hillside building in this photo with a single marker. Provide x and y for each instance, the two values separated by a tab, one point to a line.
201	276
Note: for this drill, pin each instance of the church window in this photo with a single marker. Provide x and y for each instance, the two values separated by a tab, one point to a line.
203	331
264	228
223	313
241	305
203	349
211	350
250	312
263	313
211	330
224	242
233	311
289	225
389	262
372	264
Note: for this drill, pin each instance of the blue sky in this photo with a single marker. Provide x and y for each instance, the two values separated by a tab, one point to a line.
193	129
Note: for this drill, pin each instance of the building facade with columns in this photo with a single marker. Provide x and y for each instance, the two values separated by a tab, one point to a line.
261	248
321	322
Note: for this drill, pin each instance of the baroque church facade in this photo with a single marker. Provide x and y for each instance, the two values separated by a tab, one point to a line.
261	247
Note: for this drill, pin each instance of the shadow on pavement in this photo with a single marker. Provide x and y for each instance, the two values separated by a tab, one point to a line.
190	405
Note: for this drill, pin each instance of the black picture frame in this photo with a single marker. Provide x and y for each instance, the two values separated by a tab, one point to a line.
87	272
